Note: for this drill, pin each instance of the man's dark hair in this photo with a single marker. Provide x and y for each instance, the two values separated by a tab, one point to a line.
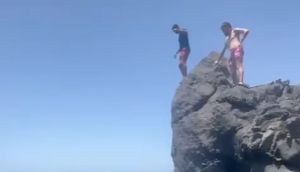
226	24
175	26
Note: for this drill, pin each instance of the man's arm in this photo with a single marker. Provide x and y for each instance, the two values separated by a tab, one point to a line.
182	31
222	53
243	31
177	52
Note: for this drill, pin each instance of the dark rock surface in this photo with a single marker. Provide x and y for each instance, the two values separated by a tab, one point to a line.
220	128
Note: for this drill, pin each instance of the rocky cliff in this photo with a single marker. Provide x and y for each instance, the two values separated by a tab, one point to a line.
220	128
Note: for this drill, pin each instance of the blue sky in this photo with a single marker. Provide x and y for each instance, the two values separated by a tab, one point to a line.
86	86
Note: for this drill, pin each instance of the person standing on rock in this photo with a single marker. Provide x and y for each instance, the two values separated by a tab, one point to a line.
184	48
234	44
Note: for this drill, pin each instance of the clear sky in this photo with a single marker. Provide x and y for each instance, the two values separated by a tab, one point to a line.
86	86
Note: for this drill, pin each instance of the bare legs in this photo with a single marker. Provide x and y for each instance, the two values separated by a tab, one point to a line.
240	69
236	69
232	69
183	67
182	63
